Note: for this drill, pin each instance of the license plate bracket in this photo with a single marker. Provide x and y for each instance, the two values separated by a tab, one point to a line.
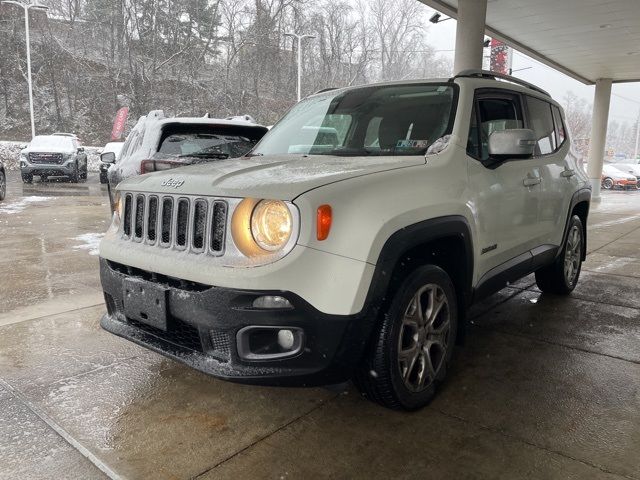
145	302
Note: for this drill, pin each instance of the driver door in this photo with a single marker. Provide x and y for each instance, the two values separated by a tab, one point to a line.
506	195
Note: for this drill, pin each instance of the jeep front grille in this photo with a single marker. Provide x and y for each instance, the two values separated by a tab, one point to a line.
183	223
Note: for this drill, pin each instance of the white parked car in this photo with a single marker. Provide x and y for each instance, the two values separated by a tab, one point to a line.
158	143
613	177
53	156
110	148
352	239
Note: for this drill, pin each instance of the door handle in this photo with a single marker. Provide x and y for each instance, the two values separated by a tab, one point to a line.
568	173
530	182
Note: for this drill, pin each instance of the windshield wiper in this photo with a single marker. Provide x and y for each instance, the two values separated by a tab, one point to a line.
205	155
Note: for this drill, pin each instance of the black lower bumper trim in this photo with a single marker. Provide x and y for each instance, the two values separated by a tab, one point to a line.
202	322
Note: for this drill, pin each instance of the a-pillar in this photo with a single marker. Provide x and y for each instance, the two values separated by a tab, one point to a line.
470	35
601	101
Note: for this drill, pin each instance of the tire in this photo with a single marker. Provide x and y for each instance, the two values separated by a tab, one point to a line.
103	178
85	173
3	186
27	178
562	275
397	380
75	176
608	183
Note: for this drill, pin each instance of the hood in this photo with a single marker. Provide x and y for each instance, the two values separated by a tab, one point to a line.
47	150
281	177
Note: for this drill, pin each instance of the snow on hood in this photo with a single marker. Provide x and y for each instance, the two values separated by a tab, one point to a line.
282	177
49	149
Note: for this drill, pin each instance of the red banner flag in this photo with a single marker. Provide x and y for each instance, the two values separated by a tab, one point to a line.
119	124
499	57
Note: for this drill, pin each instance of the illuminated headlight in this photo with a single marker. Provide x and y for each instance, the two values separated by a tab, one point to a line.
263	227
271	225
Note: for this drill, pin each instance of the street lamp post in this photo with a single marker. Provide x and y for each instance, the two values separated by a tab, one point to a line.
26	8
299	38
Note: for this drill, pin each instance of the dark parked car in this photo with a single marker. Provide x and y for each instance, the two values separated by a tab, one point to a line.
158	143
53	156
3	182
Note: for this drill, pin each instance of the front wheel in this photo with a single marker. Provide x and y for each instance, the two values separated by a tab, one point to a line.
607	183
75	175
562	275
413	345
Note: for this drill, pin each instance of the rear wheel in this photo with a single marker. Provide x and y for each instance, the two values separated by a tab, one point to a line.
607	183
562	275
27	178
103	177
85	173
413	345
3	185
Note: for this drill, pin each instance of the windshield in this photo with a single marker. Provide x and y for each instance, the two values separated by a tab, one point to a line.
204	142
376	120
50	141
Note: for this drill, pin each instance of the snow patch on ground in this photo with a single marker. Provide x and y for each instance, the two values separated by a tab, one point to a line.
89	242
17	207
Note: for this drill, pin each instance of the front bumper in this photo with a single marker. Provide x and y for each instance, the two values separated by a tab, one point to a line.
48	169
202	323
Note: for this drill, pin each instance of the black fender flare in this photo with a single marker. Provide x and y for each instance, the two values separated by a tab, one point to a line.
412	236
582	195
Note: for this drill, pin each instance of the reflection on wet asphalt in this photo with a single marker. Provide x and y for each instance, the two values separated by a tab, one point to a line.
545	387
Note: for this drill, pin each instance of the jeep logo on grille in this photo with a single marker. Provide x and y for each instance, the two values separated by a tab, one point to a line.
171	183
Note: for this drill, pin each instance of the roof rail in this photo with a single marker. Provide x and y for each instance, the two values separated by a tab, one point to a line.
325	90
501	76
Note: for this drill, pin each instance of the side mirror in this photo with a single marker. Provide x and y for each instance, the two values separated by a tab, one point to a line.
80	149
108	157
516	143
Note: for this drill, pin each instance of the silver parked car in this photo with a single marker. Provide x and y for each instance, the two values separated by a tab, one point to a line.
53	156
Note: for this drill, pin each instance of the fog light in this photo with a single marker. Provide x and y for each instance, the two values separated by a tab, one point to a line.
286	339
272	301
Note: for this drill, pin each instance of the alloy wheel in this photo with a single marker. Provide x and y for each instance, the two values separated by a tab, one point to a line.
573	255
424	340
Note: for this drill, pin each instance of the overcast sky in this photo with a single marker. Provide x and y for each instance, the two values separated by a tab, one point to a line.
442	36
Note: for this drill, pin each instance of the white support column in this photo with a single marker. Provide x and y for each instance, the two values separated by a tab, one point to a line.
469	35
597	145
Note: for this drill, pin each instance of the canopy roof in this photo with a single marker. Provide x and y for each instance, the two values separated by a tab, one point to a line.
585	39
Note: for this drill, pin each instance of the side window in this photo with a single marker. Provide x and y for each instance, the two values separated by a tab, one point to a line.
496	114
541	122
557	119
127	147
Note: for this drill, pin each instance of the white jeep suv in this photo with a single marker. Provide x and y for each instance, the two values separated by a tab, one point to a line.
350	242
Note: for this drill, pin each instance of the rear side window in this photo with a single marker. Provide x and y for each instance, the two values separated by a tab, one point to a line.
557	119
541	122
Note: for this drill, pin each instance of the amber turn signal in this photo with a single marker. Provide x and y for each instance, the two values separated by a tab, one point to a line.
324	221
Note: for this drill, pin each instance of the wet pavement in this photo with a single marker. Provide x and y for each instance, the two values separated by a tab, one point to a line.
545	387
